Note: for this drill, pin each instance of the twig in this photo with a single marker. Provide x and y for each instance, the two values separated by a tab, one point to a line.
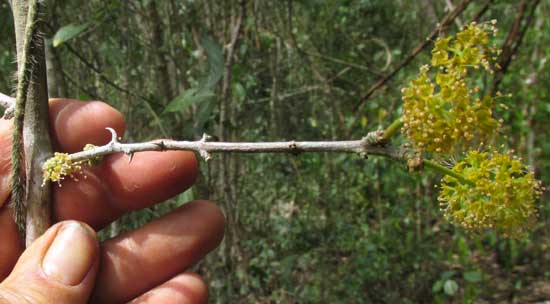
80	87
302	90
146	101
451	7
372	144
226	117
513	41
444	23
340	61
369	145
482	11
226	83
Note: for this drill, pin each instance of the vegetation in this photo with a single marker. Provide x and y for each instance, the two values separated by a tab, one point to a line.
334	227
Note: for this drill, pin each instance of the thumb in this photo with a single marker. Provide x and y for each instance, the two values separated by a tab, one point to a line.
59	267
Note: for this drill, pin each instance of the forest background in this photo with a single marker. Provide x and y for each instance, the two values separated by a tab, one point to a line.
310	228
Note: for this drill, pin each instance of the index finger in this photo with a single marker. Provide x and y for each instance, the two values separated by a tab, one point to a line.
117	185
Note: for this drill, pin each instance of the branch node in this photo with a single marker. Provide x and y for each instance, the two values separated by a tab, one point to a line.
126	150
161	145
374	138
294	148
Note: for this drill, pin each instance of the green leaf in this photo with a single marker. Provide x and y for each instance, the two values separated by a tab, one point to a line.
68	32
205	88
447	274
472	276
186	99
203	115
437	286
215	63
239	91
450	287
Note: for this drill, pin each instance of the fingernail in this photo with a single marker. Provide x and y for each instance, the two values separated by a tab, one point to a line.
71	255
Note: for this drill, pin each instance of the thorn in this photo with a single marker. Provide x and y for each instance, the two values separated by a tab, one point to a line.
161	145
131	156
114	136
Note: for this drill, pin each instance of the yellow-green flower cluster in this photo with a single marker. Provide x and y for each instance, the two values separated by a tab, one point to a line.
443	114
501	197
59	166
470	48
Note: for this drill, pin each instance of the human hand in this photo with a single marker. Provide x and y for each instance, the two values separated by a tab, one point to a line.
66	264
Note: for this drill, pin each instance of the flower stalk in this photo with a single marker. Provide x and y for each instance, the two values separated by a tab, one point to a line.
392	129
446	171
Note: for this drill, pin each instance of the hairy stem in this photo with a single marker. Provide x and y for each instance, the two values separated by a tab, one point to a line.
23	81
31	125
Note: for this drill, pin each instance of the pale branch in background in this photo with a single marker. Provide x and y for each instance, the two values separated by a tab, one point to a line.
452	15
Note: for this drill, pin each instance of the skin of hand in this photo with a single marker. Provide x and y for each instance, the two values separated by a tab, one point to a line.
67	264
